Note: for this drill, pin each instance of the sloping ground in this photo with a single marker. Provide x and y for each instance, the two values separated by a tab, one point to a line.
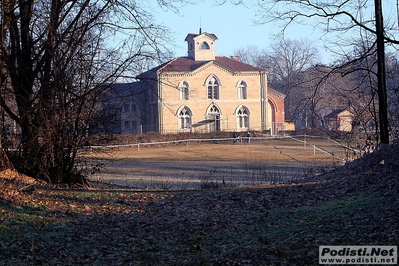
357	204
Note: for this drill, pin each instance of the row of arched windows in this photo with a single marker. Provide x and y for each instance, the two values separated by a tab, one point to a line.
213	114
213	89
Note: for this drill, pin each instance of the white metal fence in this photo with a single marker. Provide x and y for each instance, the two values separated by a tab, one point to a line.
189	175
207	127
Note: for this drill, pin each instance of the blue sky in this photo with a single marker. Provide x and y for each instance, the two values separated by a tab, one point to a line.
235	28
233	25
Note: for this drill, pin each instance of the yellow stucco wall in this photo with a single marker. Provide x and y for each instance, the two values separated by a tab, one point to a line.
198	102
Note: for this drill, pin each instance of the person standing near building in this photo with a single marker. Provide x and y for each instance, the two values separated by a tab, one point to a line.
249	138
235	137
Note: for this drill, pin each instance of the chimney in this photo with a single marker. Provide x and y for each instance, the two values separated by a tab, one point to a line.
200	30
235	57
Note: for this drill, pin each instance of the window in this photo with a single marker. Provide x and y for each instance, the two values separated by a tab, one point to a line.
243	118
184	91
127	125
184	118
214	110
242	90
213	88
205	46
129	108
213	117
134	125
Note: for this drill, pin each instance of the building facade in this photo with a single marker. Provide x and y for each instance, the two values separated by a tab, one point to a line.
203	92
340	120
121	109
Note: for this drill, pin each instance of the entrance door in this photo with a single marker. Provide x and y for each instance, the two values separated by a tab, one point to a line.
213	117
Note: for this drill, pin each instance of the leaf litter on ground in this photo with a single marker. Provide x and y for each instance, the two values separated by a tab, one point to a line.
284	224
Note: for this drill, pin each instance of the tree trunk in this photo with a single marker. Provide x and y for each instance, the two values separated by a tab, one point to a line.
382	89
4	161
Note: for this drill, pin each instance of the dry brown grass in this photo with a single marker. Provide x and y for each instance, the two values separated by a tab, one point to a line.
185	165
276	150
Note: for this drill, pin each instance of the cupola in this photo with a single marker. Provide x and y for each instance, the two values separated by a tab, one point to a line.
201	47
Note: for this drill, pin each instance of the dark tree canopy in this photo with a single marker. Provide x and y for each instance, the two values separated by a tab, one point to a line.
56	56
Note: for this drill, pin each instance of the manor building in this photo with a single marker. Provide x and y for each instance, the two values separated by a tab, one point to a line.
202	92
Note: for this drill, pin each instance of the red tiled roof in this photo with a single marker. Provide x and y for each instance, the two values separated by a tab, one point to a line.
186	64
335	113
272	89
182	64
236	65
193	35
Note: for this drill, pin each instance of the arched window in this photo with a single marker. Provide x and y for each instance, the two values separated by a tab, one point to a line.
213	110
213	88
184	116
184	91
242	116
213	117
242	90
205	46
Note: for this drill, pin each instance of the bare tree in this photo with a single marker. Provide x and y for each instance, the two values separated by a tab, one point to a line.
288	58
392	61
252	55
285	61
339	19
57	55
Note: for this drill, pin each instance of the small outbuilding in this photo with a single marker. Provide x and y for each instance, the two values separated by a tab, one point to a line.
340	120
